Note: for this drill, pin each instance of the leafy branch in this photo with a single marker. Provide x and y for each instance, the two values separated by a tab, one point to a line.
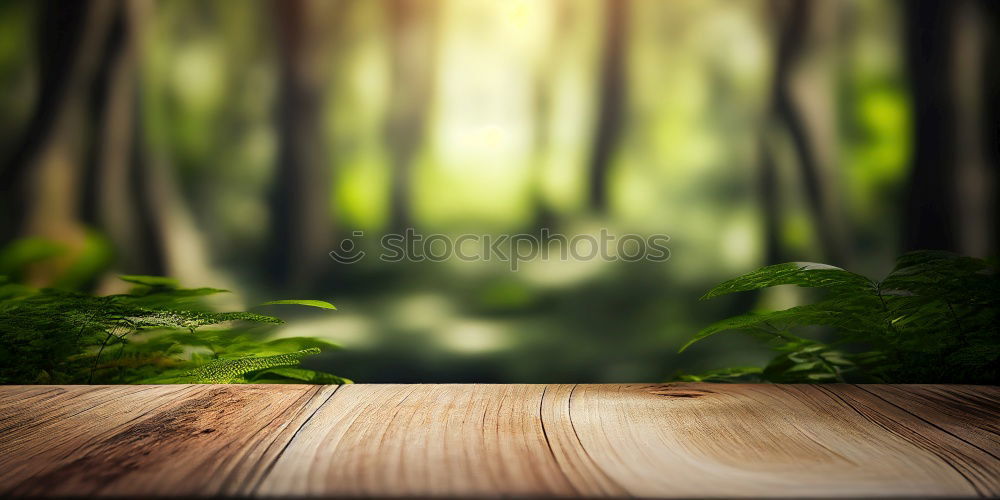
57	336
932	319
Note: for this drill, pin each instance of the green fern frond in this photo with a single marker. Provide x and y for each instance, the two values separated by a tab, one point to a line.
224	371
734	374
288	375
151	281
154	333
299	302
805	274
190	320
932	319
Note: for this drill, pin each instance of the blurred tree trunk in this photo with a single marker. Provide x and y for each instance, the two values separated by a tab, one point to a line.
768	189
542	213
990	133
119	199
611	101
797	19
930	200
90	162
970	62
544	102
302	224
950	201
412	55
165	239
38	180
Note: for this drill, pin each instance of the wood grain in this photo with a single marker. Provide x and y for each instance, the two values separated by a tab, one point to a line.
664	440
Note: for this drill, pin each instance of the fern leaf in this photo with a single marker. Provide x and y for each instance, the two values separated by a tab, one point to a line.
734	374
933	319
179	318
298	343
64	337
856	315
223	371
302	302
152	281
805	274
944	276
286	374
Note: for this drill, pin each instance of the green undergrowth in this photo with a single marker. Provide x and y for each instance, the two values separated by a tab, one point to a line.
158	332
933	319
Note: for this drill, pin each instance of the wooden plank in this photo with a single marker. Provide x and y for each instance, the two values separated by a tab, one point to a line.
147	440
422	440
582	469
751	440
43	429
664	440
951	447
967	411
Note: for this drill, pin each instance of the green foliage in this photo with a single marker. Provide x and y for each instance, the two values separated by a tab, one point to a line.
222	371
153	334
807	274
19	254
150	281
77	268
734	374
933	319
286	374
310	303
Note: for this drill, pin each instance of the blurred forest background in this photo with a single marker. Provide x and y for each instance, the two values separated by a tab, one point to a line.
234	144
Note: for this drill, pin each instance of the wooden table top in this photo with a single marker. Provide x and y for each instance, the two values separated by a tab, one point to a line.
673	440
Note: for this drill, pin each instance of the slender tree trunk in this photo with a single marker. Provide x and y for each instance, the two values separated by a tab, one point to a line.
950	199
543	105
412	30
990	133
792	40
69	39
40	182
970	62
301	208
769	198
542	213
611	101
119	201
930	200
